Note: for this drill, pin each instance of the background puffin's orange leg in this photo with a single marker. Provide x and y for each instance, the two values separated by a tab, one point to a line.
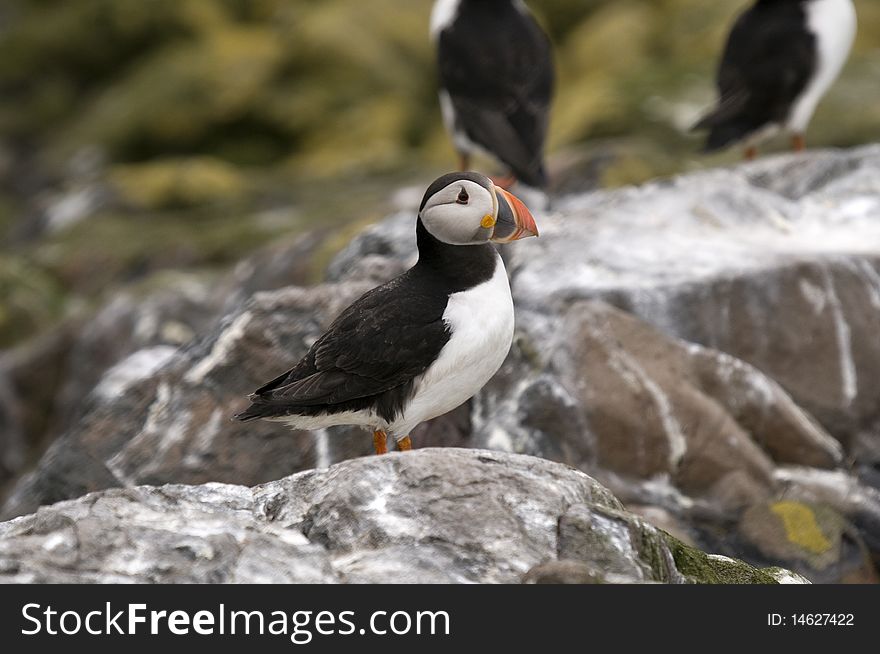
464	162
380	442
504	182
798	143
404	444
751	153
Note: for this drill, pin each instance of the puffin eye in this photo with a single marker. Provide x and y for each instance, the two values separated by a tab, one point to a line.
462	197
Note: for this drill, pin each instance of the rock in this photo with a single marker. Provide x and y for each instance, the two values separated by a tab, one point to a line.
812	539
673	340
175	424
35	371
394	238
782	275
435	515
44	382
714	426
562	572
843	492
163	415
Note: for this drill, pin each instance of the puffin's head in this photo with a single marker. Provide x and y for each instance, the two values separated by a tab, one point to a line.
468	209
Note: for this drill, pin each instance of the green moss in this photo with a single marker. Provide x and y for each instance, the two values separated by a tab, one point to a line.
30	299
175	183
650	543
110	248
700	568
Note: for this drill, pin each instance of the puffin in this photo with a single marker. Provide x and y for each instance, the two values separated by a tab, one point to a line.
426	341
781	58
496	80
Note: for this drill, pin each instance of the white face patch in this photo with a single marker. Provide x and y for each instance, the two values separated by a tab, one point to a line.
458	213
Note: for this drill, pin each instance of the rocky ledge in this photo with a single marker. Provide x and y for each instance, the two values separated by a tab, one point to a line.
431	516
706	347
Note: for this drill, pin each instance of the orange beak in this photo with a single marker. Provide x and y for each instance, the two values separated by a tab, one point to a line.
514	220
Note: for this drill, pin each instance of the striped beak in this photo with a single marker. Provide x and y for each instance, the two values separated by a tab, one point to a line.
514	220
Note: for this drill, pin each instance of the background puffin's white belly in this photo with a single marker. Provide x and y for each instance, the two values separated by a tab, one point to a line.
442	15
481	322
834	24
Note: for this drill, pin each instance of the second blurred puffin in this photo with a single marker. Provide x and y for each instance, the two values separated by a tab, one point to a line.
496	82
781	58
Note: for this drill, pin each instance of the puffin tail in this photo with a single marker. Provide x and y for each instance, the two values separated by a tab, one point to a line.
725	134
727	124
253	412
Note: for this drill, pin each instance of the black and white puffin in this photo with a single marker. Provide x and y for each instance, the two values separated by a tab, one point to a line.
426	341
496	81
781	57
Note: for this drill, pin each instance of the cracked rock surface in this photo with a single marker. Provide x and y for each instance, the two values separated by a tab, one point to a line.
431	516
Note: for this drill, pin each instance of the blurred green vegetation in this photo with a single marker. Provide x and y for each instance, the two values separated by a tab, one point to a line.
207	114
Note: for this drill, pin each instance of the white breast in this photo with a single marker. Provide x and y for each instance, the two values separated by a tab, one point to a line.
481	325
833	22
442	15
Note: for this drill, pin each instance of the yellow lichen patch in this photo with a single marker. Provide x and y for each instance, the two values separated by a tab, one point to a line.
801	526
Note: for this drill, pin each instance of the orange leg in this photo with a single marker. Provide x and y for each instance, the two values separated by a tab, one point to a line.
798	143
504	182
751	153
380	442
404	444
464	162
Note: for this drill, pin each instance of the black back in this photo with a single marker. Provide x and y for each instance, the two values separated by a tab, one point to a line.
373	352
768	62
497	66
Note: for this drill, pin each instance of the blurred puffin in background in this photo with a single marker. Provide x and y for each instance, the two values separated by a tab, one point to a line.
781	57
496	81
425	342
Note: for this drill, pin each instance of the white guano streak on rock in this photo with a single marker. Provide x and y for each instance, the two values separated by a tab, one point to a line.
156	433
766	394
322	448
814	295
848	375
205	439
499	439
872	280
134	368
617	533
394	525
786	577
221	349
623	362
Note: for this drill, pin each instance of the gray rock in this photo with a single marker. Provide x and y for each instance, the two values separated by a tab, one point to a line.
813	539
774	263
44	384
663	406
689	343
436	515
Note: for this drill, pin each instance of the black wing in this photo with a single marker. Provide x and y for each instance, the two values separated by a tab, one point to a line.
497	66
768	62
368	358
